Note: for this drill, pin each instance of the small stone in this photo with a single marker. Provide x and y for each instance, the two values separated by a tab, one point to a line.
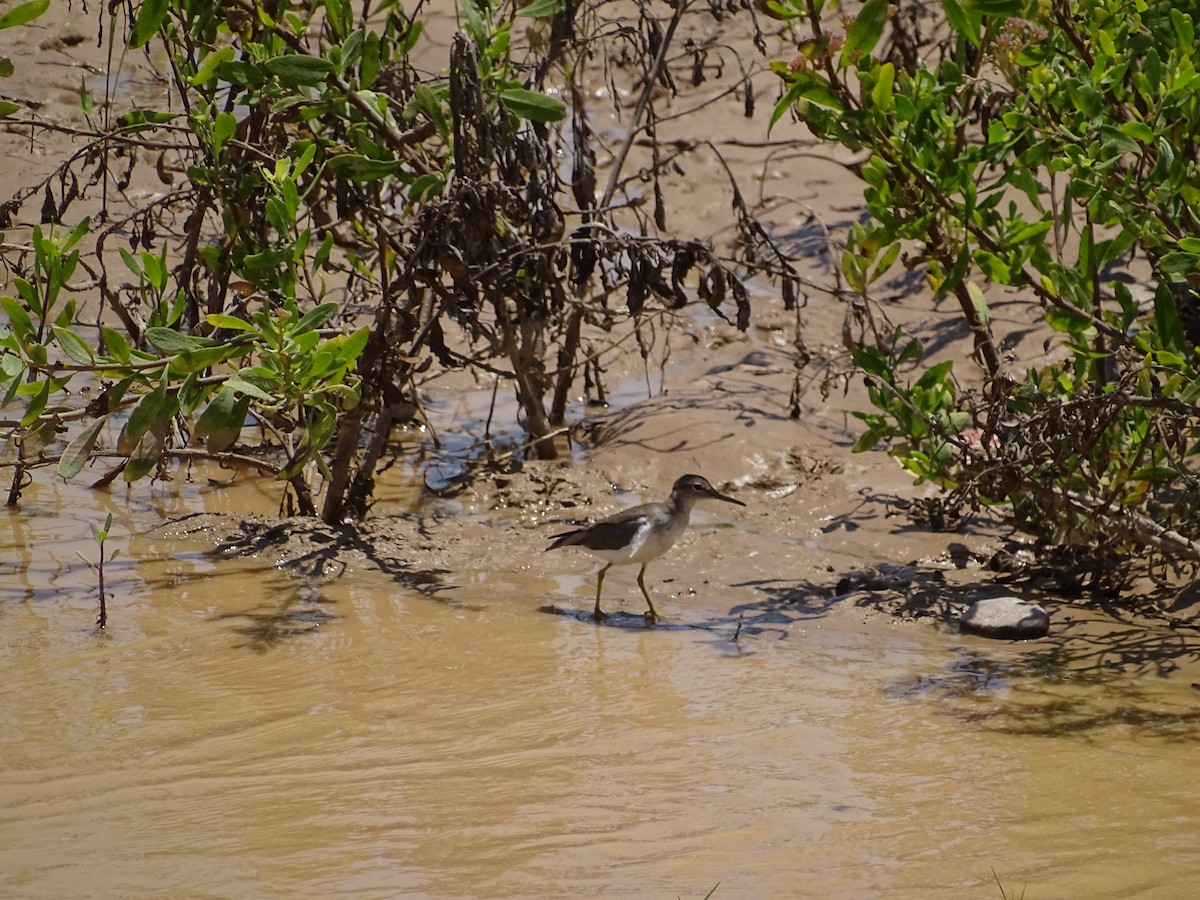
1007	618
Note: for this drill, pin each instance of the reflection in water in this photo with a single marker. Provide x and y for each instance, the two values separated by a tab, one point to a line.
250	733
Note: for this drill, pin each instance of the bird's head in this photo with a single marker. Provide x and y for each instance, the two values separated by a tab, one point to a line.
690	488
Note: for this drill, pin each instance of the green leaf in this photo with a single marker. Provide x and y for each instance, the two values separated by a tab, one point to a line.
786	102
268	259
368	67
357	167
934	375
149	20
189	361
324	362
170	341
241	72
978	301
28	294
155	269
352	50
322	254
1068	321
993	266
956	273
18	318
540	9
313	319
7	108
14	382
147	453
1155	473
300	70
475	25
113	395
1177	263
429	102
233	323
222	420
864	32
36	404
995	7
866	441
100	535
872	362
1030	230
38	439
1185	30
75	457
1114	140
1139	131
191	394
208	67
242	386
965	23
415	29
224	127
74	346
116	345
23	14
822	96
912	351
881	94
355	344
66	315
889	257
139	119
533	105
428	186
150	408
1166	319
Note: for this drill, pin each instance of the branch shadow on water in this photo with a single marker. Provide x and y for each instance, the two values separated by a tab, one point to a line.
1046	692
1096	670
295	614
314	554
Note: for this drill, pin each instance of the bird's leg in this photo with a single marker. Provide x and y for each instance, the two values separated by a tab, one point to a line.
652	614
597	614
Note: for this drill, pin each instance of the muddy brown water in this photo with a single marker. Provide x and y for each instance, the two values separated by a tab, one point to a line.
241	732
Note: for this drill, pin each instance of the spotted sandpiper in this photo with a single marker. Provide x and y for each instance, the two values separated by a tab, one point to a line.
642	533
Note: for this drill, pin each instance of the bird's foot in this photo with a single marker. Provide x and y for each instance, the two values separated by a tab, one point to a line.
598	615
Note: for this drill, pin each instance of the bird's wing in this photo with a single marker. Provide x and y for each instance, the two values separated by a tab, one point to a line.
612	533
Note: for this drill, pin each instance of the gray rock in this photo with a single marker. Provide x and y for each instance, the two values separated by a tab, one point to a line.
1008	618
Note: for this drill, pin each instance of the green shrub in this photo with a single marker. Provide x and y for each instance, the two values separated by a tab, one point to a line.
333	223
1050	148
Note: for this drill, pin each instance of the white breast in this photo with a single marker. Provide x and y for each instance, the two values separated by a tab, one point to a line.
645	546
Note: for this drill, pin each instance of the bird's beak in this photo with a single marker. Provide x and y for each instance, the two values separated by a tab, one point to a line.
717	495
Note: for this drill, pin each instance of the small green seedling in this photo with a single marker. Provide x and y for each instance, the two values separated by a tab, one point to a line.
100	535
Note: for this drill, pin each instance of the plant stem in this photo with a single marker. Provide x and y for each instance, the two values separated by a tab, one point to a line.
102	620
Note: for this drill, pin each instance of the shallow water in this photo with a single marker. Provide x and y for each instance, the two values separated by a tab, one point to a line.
239	732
